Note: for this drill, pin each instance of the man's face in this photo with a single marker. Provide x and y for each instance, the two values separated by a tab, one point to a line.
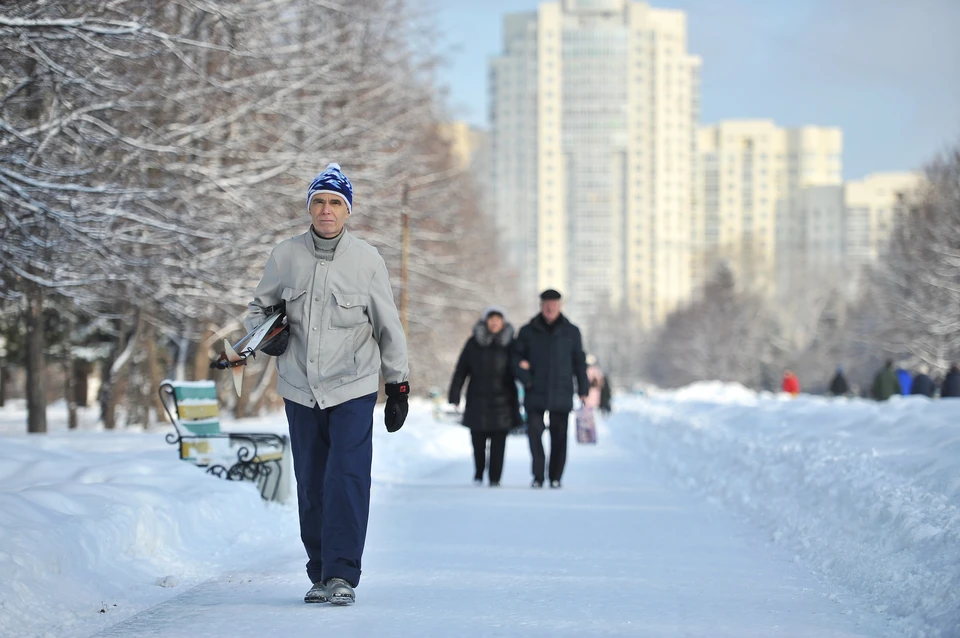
550	309
328	212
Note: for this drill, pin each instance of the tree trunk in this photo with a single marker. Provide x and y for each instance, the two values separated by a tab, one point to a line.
154	373
81	379
183	348
69	389
3	384
36	379
201	358
114	382
142	377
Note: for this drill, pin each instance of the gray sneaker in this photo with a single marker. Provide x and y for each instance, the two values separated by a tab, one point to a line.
339	592
317	594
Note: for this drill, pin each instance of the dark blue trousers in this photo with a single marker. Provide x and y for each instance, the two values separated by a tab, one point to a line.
332	457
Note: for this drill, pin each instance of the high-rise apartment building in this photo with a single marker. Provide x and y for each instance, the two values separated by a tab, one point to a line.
750	174
840	229
594	108
872	206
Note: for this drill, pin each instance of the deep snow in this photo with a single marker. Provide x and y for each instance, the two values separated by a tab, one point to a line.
712	511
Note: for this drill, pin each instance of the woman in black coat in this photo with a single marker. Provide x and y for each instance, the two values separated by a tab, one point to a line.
492	405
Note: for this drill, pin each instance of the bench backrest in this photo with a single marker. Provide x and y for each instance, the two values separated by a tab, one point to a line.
197	408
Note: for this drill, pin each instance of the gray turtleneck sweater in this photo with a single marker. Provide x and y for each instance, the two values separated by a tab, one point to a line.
324	248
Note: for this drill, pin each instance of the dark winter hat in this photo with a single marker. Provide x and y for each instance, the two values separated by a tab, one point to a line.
549	295
332	180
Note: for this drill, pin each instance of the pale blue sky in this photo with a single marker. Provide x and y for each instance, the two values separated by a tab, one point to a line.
886	71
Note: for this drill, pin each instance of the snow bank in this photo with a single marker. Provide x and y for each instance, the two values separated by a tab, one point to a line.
866	494
94	521
115	521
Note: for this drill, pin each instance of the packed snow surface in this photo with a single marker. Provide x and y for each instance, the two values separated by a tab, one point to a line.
708	511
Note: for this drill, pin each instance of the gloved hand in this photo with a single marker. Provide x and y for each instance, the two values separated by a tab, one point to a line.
395	412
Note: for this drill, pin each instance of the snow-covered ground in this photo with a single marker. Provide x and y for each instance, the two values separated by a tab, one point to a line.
711	511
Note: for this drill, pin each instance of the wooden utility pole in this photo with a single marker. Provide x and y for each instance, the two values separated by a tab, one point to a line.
404	255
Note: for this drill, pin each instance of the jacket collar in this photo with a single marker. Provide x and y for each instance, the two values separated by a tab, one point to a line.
540	324
345	241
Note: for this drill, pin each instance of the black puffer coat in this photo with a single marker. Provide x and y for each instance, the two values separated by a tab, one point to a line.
555	354
839	385
492	402
950	388
923	384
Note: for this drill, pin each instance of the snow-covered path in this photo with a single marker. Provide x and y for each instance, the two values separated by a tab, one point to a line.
616	552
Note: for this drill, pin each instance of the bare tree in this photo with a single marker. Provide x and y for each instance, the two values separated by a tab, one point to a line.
919	279
725	335
153	153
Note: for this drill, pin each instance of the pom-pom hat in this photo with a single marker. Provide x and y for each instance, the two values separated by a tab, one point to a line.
332	180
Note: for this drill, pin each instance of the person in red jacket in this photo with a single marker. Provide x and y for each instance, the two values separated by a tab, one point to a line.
791	383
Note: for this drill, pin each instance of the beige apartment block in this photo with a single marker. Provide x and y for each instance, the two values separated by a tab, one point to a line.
839	229
750	174
594	108
872	206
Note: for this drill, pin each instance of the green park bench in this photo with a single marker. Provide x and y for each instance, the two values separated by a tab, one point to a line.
235	456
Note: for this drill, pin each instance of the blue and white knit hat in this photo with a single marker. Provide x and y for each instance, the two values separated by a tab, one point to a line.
331	180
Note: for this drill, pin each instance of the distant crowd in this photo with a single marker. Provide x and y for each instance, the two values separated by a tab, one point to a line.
890	380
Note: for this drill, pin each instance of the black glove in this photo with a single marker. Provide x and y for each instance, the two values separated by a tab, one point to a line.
395	412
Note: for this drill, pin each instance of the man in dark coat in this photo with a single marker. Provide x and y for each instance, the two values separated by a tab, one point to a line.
547	356
838	385
922	383
950	388
492	405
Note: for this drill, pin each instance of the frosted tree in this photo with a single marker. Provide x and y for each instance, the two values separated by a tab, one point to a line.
153	153
919	279
725	335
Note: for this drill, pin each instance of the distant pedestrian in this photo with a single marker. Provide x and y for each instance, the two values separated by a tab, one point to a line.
548	356
492	405
922	383
950	388
905	379
885	383
606	395
838	385
596	380
790	383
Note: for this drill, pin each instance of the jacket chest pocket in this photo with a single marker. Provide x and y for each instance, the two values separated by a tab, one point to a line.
294	301
348	310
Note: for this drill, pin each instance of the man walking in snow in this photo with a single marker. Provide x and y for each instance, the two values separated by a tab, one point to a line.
548	355
344	331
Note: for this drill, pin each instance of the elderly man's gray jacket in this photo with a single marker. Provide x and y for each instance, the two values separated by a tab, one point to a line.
344	325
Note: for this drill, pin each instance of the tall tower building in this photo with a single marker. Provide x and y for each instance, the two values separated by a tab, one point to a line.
594	108
752	173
